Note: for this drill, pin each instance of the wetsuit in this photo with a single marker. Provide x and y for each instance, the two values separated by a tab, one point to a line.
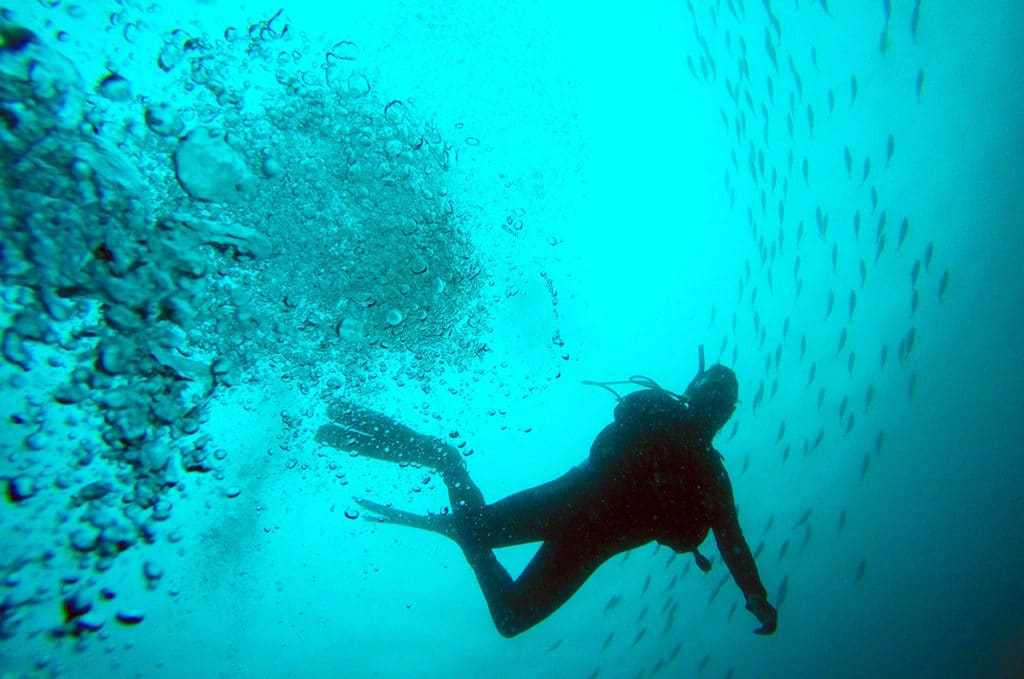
649	477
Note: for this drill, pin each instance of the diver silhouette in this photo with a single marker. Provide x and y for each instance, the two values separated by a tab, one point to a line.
652	474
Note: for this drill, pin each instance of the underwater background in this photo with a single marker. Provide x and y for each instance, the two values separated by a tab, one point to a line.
218	218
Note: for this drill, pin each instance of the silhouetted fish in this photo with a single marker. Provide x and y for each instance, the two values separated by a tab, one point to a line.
780	593
842	521
890	147
853	302
853	88
861	569
803	517
943	284
811	373
919	83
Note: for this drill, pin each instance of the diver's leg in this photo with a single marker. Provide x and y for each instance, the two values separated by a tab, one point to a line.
531	515
556	572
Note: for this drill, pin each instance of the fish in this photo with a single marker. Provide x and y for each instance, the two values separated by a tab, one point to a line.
785	453
850	362
612	603
780	593
943	284
929	250
805	168
861	569
849	424
818	438
879	440
783	549
864	465
919	84
863	273
831	102
704	662
769	48
758	396
848	161
887	9
842	521
830	304
771	522
853	89
915	19
643	613
874	199
866	171
803	346
775	388
835	256
883	40
807	538
810	120
880	248
842	341
880	231
785	331
913	301
842	406
884	355
811	373
608	641
890	147
915	271
911	385
803	517
782	432
853	302
821	397
647	584
869	397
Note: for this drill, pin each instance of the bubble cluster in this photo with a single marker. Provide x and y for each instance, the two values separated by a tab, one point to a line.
248	208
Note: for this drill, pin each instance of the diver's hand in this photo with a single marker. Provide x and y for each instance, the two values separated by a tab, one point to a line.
764	612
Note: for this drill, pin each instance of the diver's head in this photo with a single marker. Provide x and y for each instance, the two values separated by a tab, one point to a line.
712	398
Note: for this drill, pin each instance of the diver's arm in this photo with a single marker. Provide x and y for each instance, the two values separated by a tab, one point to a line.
736	554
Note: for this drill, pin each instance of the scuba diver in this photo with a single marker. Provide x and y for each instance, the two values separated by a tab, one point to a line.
652	474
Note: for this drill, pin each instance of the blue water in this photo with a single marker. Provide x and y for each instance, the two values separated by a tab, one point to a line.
217	220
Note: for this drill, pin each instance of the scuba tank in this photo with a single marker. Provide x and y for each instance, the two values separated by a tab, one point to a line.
644	382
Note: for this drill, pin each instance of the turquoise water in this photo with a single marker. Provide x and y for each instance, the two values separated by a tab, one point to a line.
219	219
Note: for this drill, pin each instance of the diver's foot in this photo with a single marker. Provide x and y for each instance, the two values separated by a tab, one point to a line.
436	523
